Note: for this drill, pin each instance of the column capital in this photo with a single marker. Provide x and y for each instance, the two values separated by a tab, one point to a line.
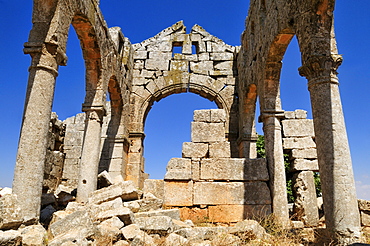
94	112
270	113
53	49
321	69
140	135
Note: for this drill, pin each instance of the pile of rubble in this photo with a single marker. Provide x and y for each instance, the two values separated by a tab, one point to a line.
118	214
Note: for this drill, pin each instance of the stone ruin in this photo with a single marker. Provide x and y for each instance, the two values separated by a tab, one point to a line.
101	150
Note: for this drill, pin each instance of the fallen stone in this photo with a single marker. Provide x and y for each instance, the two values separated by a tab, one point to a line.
74	222
104	180
134	206
174	239
149	203
10	238
126	190
72	237
227	239
142	239
364	205
125	215
131	231
155	187
172	213
365	218
249	227
34	235
10	212
162	225
201	233
113	222
121	243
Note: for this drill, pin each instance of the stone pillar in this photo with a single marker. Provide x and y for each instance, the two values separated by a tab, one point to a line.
88	171
337	181
248	146
135	166
275	159
29	169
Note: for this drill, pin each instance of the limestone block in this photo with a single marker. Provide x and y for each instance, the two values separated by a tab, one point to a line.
5	191
202	132
73	152
126	190
191	58
131	231
365	218
218	115
251	227
226	65
232	193
104	179
113	222
194	150
140	54
195	169
149	202
235	213
174	240
305	165
143	239
202	116
172	213
178	169
94	209
203	56
304	154
181	65
134	206
202	233
234	169
298	128
203	80
298	143
202	67
10	238
300	114
122	243
10	212
154	186
73	138
178	193
77	221
123	213
155	64
219	149
305	204
225	56
156	225
33	235
159	55
364	205
194	214
289	114
139	64
72	238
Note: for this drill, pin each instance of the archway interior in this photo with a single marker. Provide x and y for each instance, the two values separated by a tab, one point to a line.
293	88
70	84
167	126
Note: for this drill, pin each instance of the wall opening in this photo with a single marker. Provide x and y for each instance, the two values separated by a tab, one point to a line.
70	84
167	126
176	48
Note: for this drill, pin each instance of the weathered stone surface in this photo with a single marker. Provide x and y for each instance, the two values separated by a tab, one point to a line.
304	154
305	204
251	227
201	233
129	232
232	193
364	204
121	243
298	128
10	212
10	238
113	222
300	114
149	203
194	214
365	218
172	213
234	169
178	193
202	116
154	186
194	150
202	132
156	224
174	240
219	149
104	180
72	237
126	190
217	115
305	165
298	143
235	213
33	235
75	222
5	191
178	169
124	214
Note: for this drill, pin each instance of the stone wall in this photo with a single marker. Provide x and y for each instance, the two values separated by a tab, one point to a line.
206	183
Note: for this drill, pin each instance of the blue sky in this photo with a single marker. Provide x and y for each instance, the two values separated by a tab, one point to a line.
168	123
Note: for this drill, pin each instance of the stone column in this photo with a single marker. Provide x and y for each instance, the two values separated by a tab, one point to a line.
337	181
29	168
89	164
135	166
275	160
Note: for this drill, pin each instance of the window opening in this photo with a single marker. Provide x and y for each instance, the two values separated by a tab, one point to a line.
176	48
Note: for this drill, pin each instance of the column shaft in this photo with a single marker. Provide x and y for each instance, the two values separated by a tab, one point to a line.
29	169
88	171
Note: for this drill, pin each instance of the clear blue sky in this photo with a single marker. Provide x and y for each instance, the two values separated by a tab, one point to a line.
168	123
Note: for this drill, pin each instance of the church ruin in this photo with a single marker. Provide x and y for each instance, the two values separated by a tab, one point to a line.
221	158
